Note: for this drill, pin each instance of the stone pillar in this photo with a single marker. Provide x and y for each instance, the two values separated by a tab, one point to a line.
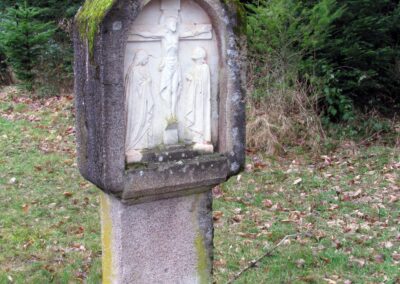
156	200
164	241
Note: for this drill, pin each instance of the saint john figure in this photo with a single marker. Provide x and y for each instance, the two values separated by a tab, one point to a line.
198	112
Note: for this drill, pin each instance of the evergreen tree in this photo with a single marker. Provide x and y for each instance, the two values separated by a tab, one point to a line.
363	52
23	38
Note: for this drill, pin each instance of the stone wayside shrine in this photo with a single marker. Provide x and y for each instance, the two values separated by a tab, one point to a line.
160	120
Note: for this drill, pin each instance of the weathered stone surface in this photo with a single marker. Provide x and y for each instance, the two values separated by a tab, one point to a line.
166	241
165	179
100	99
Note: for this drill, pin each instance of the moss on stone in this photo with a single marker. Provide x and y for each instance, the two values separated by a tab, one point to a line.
238	8
202	262
108	272
89	18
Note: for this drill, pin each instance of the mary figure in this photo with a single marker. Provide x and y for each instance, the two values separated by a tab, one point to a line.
139	107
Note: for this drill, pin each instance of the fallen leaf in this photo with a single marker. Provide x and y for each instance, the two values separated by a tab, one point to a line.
300	263
217	215
260	165
67	194
267	203
27	244
333	207
277	207
396	256
358	261
220	263
393	198
379	258
25	207
238	218
248	168
388	245
217	192
248	235
297	181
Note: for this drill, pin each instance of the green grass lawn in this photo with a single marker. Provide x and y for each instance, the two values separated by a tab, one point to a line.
341	210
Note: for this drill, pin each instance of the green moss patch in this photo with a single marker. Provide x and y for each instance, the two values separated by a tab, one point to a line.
89	18
238	8
202	262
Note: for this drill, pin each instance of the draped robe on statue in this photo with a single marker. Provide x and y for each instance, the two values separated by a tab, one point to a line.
198	114
139	105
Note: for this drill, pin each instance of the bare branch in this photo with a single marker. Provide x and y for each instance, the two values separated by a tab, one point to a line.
254	262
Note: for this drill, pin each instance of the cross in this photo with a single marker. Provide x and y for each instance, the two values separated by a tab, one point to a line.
170	8
170	32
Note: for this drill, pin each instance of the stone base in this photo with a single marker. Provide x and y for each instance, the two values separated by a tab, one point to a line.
133	156
171	136
203	147
164	241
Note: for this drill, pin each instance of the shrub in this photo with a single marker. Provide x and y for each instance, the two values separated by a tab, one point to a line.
23	40
283	38
363	53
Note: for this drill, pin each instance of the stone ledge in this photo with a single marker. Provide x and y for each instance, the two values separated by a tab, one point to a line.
171	179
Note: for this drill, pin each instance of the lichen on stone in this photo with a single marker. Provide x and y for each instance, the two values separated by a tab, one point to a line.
89	18
202	263
241	24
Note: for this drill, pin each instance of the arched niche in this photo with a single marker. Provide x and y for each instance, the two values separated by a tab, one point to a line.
172	64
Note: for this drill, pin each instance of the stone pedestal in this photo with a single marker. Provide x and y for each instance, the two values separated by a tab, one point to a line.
140	66
164	241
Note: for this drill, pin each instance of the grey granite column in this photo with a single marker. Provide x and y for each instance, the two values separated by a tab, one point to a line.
164	241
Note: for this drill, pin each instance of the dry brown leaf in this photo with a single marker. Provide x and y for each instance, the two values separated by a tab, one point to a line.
300	263
388	245
67	194
238	218
220	263
25	207
297	181
396	256
393	198
217	215
260	165
217	191
267	203
248	235
379	258
358	261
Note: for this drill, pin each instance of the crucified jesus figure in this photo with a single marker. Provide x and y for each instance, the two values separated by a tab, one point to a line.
170	84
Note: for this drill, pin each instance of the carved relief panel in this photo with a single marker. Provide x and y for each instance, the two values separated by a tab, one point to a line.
171	78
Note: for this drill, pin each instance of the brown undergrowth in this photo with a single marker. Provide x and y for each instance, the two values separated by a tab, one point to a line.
282	118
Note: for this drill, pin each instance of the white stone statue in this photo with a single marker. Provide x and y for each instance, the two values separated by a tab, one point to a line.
139	106
198	102
170	82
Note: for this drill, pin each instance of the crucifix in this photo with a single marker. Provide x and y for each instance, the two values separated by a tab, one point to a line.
169	31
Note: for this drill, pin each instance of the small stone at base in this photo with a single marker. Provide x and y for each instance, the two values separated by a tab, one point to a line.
133	156
170	136
206	148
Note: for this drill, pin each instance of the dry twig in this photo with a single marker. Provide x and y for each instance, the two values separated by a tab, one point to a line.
254	262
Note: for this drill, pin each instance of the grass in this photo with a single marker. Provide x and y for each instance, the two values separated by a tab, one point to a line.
343	208
49	221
